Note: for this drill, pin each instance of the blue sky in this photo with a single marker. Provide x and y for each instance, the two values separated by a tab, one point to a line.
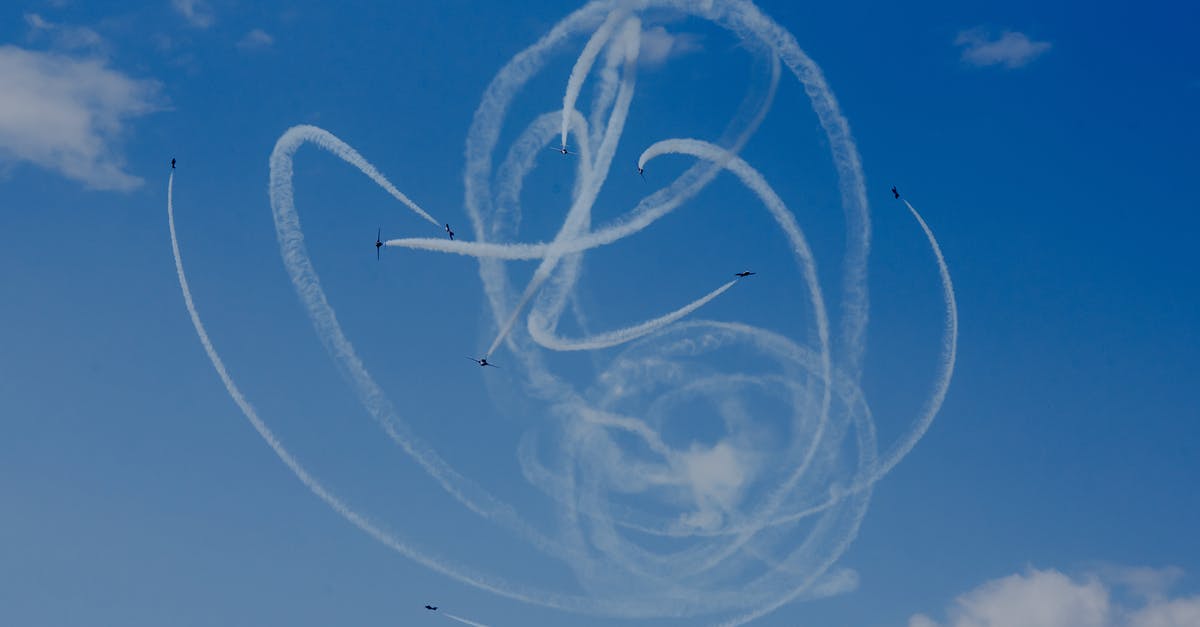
1051	153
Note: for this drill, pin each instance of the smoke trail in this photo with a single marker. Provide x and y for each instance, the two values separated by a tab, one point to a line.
541	332
328	141
732	557
945	365
579	216
463	620
583	65
321	314
345	511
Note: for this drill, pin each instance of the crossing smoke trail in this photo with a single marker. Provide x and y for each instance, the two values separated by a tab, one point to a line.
314	486
583	65
733	527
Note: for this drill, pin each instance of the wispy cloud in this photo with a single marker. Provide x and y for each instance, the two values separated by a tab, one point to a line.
64	36
197	12
256	39
1048	598
1011	49
66	113
658	46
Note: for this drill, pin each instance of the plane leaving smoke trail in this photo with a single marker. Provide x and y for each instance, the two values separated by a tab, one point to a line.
945	365
687	582
297	135
544	336
440	565
583	65
259	425
930	409
579	215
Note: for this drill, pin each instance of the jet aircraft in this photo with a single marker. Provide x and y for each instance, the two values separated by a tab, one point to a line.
895	193
172	163
743	274
483	362
449	231
431	608
378	243
563	150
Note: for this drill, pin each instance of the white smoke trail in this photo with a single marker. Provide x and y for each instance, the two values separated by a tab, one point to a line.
320	491
462	620
312	295
742	561
583	65
945	365
579	216
327	141
541	332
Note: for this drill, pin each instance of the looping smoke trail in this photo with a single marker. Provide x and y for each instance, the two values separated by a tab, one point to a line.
317	488
651	526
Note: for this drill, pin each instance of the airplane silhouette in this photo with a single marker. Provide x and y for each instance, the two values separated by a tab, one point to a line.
172	163
562	150
378	242
744	274
895	193
431	608
483	362
449	231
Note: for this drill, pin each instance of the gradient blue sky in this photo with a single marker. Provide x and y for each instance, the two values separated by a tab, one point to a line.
1060	180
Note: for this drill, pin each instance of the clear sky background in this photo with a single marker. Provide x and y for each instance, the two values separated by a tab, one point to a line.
1052	151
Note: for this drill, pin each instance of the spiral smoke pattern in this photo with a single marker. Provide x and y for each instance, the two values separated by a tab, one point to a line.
755	516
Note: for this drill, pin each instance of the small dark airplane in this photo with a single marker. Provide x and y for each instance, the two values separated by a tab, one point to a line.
642	172
449	231
483	362
895	193
378	243
431	608
563	150
743	274
172	164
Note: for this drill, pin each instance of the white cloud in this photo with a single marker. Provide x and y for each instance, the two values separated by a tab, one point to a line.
65	37
714	479
1011	49
921	620
657	46
66	113
196	12
1048	598
257	38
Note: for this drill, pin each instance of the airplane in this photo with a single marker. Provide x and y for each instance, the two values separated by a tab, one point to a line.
378	243
431	608
895	193
642	172
172	163
449	232
743	274
483	362
562	150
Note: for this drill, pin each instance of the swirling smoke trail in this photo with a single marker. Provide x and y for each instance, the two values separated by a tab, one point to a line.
733	528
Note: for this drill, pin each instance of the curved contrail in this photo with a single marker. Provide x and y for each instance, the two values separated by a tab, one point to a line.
945	365
753	521
583	65
540	331
317	488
